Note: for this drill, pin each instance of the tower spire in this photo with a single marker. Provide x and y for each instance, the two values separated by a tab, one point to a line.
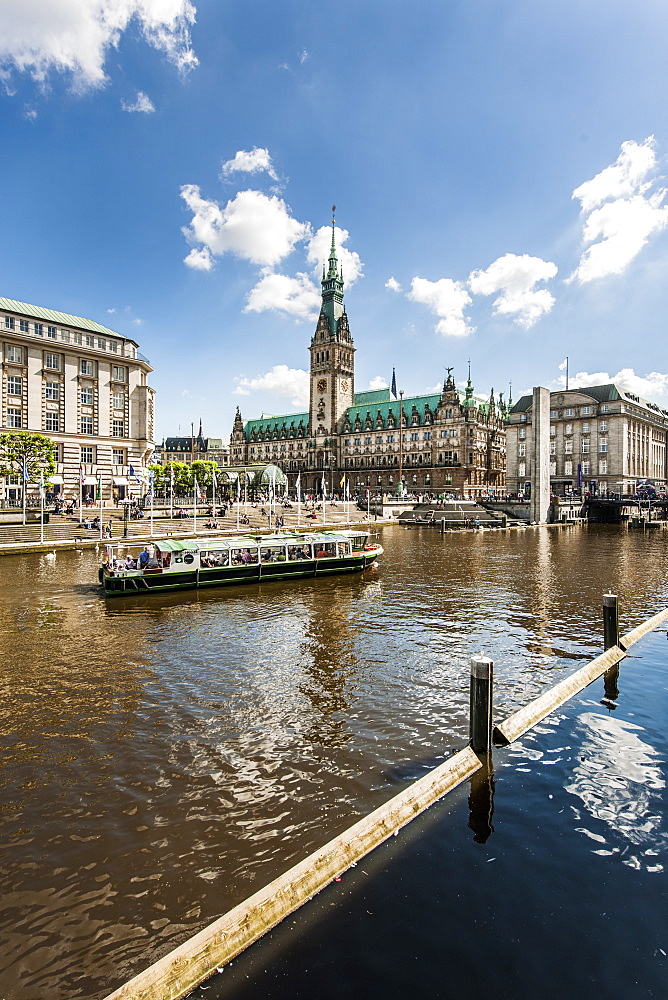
333	260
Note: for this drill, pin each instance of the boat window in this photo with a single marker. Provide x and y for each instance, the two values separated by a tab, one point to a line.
272	553
213	558
303	551
242	556
359	541
164	558
343	548
326	550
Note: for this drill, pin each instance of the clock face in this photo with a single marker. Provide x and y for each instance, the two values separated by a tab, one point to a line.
322	384
344	386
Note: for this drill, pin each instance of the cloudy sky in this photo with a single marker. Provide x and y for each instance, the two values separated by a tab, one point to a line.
499	169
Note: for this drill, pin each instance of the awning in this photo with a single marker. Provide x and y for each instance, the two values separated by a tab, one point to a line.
120	481
90	481
176	546
55	479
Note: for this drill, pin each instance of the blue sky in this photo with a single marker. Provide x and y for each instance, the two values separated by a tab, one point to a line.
168	168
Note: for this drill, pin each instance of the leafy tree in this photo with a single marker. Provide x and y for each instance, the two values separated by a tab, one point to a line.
203	471
35	451
183	480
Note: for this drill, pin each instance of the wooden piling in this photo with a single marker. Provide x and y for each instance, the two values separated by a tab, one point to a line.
481	695
610	621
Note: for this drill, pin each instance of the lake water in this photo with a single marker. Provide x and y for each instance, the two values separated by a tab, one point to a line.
164	757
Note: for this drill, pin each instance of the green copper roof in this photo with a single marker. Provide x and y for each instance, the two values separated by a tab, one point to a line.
268	424
52	316
372	397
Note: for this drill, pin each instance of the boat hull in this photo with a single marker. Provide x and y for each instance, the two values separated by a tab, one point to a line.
118	584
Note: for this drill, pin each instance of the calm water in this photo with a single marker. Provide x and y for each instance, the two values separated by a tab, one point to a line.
165	757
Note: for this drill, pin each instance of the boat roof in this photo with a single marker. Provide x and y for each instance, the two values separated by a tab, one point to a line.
248	541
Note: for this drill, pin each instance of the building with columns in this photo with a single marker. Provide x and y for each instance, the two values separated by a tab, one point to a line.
84	386
450	441
602	439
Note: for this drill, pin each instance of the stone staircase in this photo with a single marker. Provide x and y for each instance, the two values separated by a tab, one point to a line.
454	514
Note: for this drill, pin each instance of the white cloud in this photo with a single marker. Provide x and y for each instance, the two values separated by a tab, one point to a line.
652	386
142	104
74	36
448	300
252	161
378	382
623	212
137	321
281	380
111	310
199	260
625	226
627	176
393	285
251	226
317	254
296	296
515	277
303	56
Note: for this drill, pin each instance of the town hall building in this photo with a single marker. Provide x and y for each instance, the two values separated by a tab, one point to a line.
453	441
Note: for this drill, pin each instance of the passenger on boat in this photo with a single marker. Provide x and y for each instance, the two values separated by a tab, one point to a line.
322	554
246	557
130	563
143	558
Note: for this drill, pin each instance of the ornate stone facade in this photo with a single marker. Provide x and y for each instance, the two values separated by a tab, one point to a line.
453	441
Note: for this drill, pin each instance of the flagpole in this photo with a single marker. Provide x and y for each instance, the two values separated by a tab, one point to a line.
99	489
150	486
81	477
238	498
298	485
171	493
41	507
23	491
195	504
567	373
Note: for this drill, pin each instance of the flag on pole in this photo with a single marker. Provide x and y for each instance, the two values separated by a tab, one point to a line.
323	486
41	484
195	487
171	477
150	483
214	481
298	485
238	487
133	474
98	495
81	474
24	469
343	480
393	389
563	364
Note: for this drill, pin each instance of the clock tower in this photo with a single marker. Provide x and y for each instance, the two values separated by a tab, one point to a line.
332	365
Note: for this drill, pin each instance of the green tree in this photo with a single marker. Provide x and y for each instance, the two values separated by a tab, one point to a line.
203	471
24	449
183	480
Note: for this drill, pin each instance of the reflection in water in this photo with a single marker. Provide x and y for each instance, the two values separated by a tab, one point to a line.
481	801
164	756
618	780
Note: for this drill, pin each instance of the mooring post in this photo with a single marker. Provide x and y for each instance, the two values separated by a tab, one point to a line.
610	621
442	525
482	678
126	520
611	638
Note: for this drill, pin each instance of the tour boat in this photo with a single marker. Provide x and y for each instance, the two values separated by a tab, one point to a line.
173	564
